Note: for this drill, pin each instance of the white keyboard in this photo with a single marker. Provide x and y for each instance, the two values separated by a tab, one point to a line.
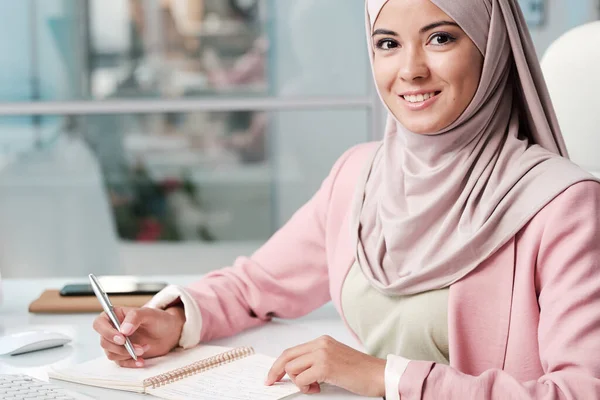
22	387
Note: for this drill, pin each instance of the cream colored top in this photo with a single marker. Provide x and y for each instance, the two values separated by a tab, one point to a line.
414	327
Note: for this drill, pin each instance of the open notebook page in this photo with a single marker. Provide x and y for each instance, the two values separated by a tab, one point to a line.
240	380
104	373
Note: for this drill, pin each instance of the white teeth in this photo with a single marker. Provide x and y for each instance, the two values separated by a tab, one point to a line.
419	97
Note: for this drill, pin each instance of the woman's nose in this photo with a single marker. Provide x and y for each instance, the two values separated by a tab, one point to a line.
413	66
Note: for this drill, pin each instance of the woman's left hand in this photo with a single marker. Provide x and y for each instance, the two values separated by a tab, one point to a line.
325	360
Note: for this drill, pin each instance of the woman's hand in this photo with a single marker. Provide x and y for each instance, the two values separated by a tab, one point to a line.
152	333
326	360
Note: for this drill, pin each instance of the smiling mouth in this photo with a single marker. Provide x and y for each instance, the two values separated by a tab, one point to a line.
420	98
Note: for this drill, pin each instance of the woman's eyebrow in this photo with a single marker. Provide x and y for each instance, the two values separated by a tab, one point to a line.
437	25
422	30
384	32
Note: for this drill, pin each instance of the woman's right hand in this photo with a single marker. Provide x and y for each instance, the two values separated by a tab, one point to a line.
152	333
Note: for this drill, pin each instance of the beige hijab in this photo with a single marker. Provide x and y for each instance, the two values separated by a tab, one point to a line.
431	208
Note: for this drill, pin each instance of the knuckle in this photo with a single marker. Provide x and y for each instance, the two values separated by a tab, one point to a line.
133	315
110	346
102	325
288	369
325	340
97	325
119	310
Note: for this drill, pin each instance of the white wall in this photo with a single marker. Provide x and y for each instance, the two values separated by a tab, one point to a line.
560	16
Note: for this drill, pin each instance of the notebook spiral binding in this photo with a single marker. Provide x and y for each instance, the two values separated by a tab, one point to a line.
198	367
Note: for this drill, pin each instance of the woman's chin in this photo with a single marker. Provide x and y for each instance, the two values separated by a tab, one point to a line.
427	128
427	123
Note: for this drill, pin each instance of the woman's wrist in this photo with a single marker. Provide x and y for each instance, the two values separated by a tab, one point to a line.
178	312
183	308
379	376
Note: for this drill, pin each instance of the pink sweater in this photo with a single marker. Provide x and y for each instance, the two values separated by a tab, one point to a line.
528	332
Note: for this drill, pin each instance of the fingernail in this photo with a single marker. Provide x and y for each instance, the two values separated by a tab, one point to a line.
126	328
118	339
138	351
146	347
139	364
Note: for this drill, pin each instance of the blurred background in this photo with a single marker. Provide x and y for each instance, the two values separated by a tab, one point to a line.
171	136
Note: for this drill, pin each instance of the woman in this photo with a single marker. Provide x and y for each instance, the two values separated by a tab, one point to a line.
467	261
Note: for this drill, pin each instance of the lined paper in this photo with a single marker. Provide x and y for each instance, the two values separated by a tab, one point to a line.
240	380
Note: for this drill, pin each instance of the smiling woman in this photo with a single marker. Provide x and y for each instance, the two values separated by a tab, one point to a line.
461	250
426	67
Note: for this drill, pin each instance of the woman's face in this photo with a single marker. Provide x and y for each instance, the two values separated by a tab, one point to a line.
426	67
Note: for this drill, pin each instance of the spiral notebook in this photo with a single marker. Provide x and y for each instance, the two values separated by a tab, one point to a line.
203	372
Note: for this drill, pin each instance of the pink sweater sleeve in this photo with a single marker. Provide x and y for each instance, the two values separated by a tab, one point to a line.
568	276
287	277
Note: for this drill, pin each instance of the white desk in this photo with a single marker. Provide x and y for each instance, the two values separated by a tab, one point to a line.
271	339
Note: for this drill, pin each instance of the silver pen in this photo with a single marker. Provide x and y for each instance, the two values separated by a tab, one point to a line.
108	309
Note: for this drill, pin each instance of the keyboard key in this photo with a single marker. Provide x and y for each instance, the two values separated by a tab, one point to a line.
23	387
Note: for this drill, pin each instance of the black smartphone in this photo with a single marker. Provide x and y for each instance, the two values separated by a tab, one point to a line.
114	288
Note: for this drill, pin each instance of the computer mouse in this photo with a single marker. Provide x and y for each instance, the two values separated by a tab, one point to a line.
28	341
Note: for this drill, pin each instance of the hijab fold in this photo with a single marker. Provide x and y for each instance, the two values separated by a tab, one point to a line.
430	208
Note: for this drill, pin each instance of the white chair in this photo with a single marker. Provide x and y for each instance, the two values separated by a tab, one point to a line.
571	67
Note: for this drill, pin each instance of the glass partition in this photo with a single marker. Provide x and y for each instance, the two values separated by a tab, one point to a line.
74	187
139	49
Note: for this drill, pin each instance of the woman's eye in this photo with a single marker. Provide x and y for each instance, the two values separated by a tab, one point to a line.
386	44
440	39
